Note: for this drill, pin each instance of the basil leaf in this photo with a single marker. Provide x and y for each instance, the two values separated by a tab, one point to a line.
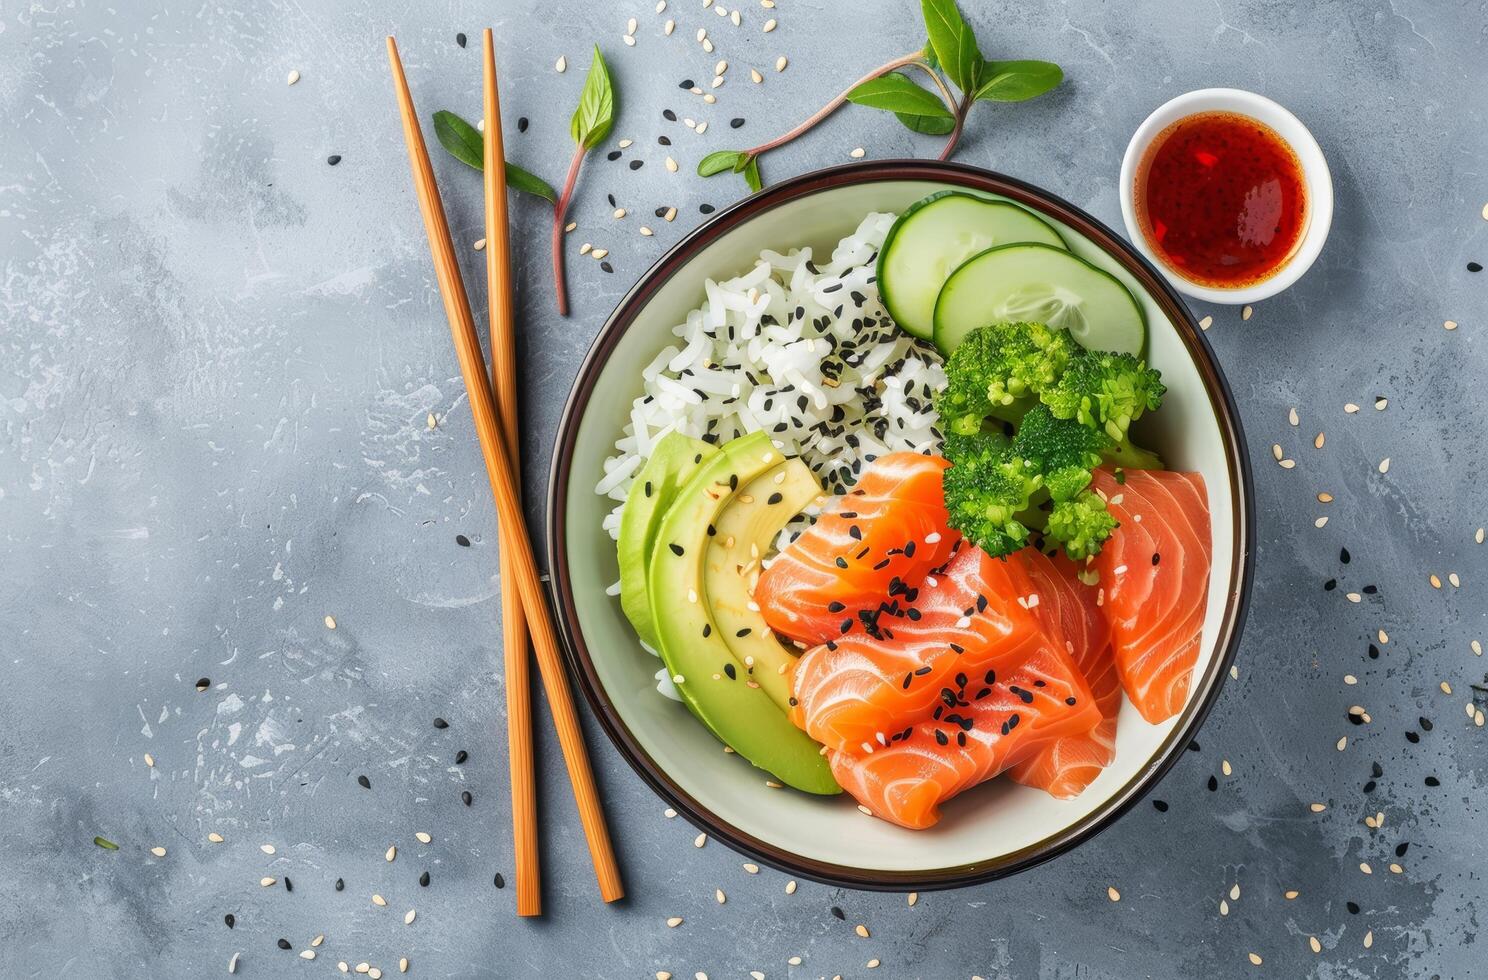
752	175
929	125
896	93
462	140
1015	81
595	116
466	144
954	42
720	160
529	183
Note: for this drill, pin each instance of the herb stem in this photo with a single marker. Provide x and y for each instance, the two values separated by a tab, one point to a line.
836	103
560	219
955	136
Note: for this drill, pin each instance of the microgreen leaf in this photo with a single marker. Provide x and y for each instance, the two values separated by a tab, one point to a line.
929	125
752	174
896	93
720	160
1016	81
105	843
595	116
466	144
954	42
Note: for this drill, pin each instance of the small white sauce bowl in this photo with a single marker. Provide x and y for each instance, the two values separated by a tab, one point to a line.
1318	181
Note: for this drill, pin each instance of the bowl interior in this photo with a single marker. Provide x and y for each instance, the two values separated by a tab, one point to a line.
994	826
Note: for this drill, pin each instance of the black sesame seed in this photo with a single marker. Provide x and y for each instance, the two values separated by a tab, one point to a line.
460	40
1213	784
775	498
1432	781
707	630
1344	556
1376	770
499	880
1401	848
364	782
669	115
706	208
729	670
686	84
440	723
1474	267
1160	806
340	885
230	919
1330	585
1369	786
202	683
288	885
612	155
742	633
1412	737
522	124
1353	907
333	159
605	265
465	797
284	944
676	549
664	140
461	756
736	122
838	913
637	164
424	880
1426	725
462	541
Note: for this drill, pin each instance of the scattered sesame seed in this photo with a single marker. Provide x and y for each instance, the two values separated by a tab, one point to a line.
600	253
646	232
1246	312
266	882
307	954
1350	408
913	898
409	916
330	622
790	887
794	961
216	838
1450	325
674	922
1290	894
392	852
1112	893
479	245
1364	867
700	840
718	896
1235	892
570	226
266	848
149	760
422	837
1312	941
780	63
1317	443
379	901
1206	323
1325	498
857	153
1369	939
1320	522
1384	466
769	25
1287	464
1254	958
862	931
158	851
232	964
671	25
1224	907
1435	582
1380	404
561	65
619	212
1317	807
1224	767
755	76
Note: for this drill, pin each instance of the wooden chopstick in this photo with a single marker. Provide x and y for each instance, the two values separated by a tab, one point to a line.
504	380
503	485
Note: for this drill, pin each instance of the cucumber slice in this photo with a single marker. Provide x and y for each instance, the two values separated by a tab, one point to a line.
933	237
1041	284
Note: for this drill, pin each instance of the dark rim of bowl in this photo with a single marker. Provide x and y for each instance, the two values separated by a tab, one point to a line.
1237	458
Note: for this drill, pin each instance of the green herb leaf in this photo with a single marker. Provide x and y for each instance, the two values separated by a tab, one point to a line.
529	183
752	175
1015	81
466	144
897	93
105	843
462	140
720	160
954	42
595	116
929	125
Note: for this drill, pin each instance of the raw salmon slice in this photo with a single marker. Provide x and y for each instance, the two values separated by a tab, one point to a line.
1068	609
907	780
1154	576
889	528
938	646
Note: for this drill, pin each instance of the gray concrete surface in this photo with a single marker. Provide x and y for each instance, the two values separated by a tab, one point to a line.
217	354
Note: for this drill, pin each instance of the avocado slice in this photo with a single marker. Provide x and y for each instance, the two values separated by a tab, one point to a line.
671	464
711	681
746	532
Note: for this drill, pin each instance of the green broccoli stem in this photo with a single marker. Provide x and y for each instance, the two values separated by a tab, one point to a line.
1129	456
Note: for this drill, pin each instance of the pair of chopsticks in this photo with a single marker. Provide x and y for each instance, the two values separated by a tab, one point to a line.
524	609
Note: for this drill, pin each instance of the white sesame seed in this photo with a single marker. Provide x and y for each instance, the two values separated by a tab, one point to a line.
702	33
1476	647
647	232
1235	892
1450	325
628	39
630	26
710	98
392	852
1224	907
794	961
265	882
422	837
660	5
1224	767
749	868
561	65
718	896
479	245
671	25
769	25
857	153
1350	408
266	848
671	213
1276	450
158	851
379	901
720	68
913	898
619	212
702	127
1292	416
292	77
780	63
1246	312
734	18
1206	323
790	887
1254	958
1317	807
1435	582
671	165
330	622
216	838
1384	466
232	964
1342	743
1312	941
669	813
600	253
700	840
307	954
1364	867
1320	522
1456	582
862	931
1317	442
149	760
318	940
674	922
409	916
570	226
1112	893
755	76
1380	404
1353	597
402	964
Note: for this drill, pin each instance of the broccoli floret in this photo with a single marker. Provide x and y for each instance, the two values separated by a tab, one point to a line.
1105	390
1082	524
998	370
1062	450
1128	456
986	487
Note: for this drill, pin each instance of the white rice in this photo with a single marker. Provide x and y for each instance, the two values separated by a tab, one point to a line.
805	352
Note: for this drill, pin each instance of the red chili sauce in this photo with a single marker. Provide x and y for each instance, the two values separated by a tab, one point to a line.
1221	198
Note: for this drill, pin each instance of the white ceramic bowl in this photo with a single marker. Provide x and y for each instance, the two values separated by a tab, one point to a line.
1319	187
998	828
